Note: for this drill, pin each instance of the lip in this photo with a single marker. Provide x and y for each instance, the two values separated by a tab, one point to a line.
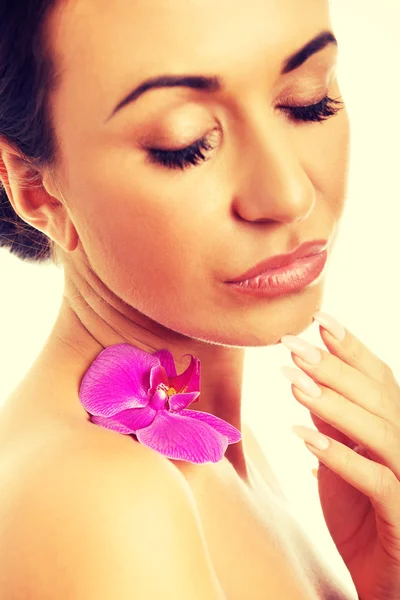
278	261
291	279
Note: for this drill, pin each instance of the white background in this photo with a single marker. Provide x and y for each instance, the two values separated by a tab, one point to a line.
362	288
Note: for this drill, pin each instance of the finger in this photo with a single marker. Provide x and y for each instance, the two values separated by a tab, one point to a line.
326	429
376	434
352	351
372	479
357	387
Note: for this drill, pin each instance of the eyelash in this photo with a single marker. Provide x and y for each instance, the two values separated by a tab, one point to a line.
192	155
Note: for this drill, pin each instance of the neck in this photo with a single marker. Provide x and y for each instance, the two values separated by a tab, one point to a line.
80	334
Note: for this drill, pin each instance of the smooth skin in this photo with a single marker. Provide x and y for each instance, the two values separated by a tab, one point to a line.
147	250
94	523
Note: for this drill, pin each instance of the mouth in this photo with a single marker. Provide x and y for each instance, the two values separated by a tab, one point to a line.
283	262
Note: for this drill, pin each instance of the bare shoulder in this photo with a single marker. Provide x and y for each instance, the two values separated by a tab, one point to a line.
98	517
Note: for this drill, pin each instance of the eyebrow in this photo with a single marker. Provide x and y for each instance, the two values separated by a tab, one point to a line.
215	84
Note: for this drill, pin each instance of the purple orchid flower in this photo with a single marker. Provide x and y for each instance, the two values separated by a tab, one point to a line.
132	391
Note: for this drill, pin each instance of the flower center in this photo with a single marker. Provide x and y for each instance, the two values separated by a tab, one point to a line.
161	395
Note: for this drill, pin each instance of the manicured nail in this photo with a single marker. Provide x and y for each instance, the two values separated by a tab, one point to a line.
311	436
302	348
331	325
302	381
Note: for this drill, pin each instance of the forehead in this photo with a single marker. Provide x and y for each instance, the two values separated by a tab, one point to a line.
132	35
108	47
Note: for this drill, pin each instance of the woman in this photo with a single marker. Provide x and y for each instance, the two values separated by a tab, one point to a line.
155	198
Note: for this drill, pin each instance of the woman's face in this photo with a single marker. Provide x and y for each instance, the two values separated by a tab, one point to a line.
166	240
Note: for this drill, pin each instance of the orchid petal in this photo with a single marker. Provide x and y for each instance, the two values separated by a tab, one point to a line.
157	376
128	421
167	360
220	425
183	438
117	379
189	380
136	418
181	401
111	424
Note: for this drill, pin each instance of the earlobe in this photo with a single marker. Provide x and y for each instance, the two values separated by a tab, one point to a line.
70	237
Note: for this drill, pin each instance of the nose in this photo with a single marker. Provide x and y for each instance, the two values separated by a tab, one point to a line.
273	184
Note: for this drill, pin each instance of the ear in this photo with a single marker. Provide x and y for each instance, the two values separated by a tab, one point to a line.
31	196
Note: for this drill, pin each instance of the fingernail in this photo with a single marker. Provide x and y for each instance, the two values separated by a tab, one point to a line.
302	381
311	436
302	348
331	325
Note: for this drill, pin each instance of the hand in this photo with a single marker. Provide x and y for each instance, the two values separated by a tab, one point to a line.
359	473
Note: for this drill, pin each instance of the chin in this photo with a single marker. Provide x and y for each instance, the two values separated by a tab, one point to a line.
260	323
300	318
291	315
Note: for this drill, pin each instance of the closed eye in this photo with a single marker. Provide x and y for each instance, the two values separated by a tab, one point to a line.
193	155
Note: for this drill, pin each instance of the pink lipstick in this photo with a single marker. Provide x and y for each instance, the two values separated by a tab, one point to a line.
285	273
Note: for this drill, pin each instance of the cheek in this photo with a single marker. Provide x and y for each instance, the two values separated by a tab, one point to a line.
328	167
143	245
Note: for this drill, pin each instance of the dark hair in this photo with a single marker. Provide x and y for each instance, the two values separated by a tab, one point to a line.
27	75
